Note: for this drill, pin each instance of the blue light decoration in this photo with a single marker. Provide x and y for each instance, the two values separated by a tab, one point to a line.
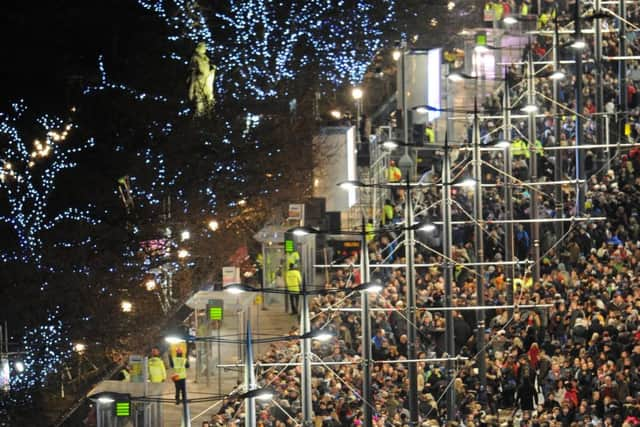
259	44
28	180
46	348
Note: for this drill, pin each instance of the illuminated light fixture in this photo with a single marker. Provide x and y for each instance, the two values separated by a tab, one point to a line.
213	225
468	183
422	110
126	306
300	232
348	185
79	348
183	253
173	339
335	114
530	108
451	5
503	144
557	75
150	284
106	399
373	288
242	202
579	44
322	336
357	93
455	77
510	20
185	235
396	55
19	366
427	228
390	145
481	49
234	289
264	395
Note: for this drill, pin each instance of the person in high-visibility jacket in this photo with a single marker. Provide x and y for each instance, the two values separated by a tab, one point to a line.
370	229
157	371
124	374
180	363
429	133
519	148
293	257
387	212
394	174
498	11
293	279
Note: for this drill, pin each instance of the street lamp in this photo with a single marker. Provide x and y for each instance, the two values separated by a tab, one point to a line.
213	225
357	94
126	306
557	75
183	253
185	235
150	284
579	44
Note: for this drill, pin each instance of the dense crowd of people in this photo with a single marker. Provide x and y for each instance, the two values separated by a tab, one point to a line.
569	360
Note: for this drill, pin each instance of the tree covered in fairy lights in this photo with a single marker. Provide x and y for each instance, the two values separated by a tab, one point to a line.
46	347
261	45
28	173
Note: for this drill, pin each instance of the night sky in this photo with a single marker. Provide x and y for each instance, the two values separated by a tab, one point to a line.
51	49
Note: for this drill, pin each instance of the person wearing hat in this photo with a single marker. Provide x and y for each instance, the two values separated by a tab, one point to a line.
157	371
180	363
394	174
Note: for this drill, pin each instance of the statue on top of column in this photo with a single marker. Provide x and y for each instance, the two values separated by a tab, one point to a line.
200	80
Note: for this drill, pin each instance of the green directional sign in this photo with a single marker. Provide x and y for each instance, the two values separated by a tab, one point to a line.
215	313
123	408
288	246
481	39
215	309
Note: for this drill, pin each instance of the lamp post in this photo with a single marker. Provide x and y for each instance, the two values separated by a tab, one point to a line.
366	332
411	307
479	246
579	155
508	250
533	148
557	168
249	382
448	272
622	66
357	94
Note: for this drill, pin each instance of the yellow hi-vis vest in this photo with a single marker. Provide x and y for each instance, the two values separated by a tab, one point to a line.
180	367
293	280
157	372
293	258
126	376
498	10
519	148
431	135
394	174
370	231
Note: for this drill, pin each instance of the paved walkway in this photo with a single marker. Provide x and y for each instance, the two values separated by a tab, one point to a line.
273	321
